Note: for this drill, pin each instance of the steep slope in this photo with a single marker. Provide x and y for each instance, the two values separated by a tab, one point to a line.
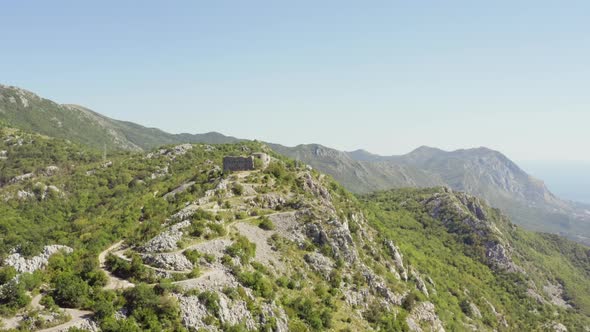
447	235
25	110
164	241
359	175
480	172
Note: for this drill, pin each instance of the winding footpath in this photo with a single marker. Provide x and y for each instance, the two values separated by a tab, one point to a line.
114	281
79	317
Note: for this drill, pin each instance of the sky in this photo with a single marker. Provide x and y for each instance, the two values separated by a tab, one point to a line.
386	76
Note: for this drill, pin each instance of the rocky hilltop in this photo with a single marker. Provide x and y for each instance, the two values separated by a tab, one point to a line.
480	172
164	240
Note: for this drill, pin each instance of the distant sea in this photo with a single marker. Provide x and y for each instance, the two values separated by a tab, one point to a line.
568	180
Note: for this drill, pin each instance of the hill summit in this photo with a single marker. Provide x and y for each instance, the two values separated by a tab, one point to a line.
164	240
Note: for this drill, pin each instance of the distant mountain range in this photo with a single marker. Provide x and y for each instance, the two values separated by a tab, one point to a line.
481	172
25	110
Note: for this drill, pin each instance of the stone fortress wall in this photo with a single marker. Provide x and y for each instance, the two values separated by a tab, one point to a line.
236	163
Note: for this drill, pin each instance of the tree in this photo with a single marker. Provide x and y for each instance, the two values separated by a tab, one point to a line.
70	291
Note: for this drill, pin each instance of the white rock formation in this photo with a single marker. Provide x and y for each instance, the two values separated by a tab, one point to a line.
22	264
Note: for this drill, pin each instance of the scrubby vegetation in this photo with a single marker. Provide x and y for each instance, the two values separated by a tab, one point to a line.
334	271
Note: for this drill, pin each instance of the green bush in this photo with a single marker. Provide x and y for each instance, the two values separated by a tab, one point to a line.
237	189
266	224
315	315
260	284
211	301
276	169
70	291
193	256
12	297
7	273
242	248
410	301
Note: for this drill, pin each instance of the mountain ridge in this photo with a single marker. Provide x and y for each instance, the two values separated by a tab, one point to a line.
24	109
163	240
482	172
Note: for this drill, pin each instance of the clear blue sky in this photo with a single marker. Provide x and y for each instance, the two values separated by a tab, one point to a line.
386	76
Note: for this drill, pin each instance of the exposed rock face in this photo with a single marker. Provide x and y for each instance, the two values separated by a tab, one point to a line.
357	297
454	208
45	191
222	185
171	153
215	279
397	259
166	241
476	313
268	201
21	178
499	316
335	234
424	314
558	327
377	284
50	170
316	234
84	324
499	257
173	261
185	213
311	185
214	247
271	311
181	149
180	189
193	312
319	263
24	195
30	265
235	312
341	241
420	284
160	172
231	312
555	293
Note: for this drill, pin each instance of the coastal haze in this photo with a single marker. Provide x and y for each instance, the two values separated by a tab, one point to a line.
570	180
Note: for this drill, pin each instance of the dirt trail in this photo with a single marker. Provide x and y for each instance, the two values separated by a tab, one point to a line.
11	323
114	281
77	317
35	302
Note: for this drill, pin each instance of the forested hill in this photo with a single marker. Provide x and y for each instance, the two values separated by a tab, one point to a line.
23	109
165	241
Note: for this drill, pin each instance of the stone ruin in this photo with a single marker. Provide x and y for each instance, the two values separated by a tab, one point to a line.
236	164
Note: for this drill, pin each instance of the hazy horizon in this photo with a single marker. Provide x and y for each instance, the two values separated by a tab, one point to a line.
386	78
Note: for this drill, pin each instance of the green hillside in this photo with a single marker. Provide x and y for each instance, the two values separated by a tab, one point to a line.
164	241
23	109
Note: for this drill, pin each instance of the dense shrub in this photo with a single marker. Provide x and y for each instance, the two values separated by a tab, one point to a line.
70	291
266	224
242	248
